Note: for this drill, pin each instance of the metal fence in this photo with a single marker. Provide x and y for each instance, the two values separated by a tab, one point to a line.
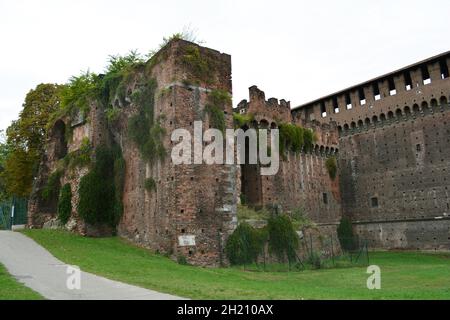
13	212
317	252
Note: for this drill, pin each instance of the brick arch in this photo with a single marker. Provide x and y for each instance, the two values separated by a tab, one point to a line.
416	108
360	123
263	124
434	103
367	121
390	115
407	111
382	117
346	127
398	113
374	119
353	125
443	101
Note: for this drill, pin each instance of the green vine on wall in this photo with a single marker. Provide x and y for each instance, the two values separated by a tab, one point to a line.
331	165
217	102
101	190
65	204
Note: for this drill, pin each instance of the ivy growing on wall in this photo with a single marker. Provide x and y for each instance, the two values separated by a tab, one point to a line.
242	120
100	191
65	203
331	165
51	188
143	129
345	234
295	138
215	106
201	66
150	184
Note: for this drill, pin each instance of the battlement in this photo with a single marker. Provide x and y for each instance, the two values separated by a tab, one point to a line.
418	85
271	110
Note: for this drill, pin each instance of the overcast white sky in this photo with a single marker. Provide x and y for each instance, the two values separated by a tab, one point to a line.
296	50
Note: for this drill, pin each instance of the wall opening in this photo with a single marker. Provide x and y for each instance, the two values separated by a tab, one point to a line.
362	96
444	69
348	101
408	80
251	184
425	75
323	109
392	90
335	105
374	202
325	198
59	140
376	91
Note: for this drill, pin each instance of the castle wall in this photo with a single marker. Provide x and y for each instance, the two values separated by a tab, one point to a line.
302	181
394	154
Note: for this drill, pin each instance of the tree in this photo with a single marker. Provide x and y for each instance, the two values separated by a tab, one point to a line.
4	151
25	139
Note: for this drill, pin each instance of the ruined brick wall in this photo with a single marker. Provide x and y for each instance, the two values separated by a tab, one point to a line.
302	181
394	154
192	210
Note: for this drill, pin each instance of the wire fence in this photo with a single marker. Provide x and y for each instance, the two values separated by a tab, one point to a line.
317	252
13	212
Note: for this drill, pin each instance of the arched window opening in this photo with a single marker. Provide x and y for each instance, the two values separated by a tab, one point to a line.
390	115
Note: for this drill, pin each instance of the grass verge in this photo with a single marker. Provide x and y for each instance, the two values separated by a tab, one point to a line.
405	275
11	289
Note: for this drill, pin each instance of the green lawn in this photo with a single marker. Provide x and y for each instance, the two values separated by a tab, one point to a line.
405	275
11	289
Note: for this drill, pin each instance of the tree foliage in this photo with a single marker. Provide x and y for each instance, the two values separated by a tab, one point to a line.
283	239
245	245
345	234
26	136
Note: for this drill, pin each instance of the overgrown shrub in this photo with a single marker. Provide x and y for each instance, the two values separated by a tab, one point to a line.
201	66
65	203
182	260
345	234
283	239
244	245
331	165
101	189
241	120
51	188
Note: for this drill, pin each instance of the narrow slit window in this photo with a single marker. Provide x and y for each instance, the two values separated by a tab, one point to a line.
376	92
444	69
362	97
323	109
392	90
348	101
325	198
425	75
335	105
408	81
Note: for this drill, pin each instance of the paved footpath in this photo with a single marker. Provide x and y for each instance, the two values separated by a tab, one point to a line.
35	267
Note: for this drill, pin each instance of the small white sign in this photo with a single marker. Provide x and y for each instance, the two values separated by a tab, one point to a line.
186	240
